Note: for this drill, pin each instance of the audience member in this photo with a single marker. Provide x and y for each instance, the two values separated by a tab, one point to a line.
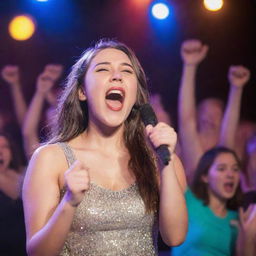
12	227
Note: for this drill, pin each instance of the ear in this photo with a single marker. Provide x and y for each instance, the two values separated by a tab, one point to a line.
204	178
81	95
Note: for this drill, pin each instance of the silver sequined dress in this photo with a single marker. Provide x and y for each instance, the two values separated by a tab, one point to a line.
110	223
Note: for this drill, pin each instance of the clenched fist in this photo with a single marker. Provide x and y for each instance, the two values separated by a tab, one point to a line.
238	76
11	74
193	51
77	181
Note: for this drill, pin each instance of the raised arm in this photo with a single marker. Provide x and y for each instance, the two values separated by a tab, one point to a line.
55	71
173	218
238	76
11	75
34	113
192	53
48	217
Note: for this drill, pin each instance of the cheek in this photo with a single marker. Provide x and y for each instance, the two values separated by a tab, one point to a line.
213	183
91	90
91	83
138	94
132	94
238	177
135	94
7	155
214	179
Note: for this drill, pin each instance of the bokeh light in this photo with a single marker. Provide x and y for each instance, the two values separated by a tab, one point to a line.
21	27
160	11
213	5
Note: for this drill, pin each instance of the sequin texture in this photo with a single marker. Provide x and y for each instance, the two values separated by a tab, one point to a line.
111	223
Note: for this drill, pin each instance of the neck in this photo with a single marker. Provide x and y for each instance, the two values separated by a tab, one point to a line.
208	139
217	205
110	139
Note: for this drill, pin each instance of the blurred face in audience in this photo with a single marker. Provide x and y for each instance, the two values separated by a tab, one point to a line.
209	115
223	177
5	153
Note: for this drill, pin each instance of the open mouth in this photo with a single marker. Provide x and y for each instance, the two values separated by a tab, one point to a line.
115	98
1	161
229	186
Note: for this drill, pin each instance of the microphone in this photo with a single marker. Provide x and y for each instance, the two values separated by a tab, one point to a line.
148	116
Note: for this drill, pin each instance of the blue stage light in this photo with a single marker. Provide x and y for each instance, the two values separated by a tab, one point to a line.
160	10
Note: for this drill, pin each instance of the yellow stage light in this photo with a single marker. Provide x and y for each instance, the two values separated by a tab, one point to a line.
21	27
213	5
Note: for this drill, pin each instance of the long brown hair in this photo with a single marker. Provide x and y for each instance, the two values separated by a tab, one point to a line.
72	119
200	188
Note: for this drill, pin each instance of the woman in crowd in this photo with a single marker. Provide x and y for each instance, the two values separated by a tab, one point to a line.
213	200
12	227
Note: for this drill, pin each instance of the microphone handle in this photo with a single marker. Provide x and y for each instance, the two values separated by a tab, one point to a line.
148	116
164	154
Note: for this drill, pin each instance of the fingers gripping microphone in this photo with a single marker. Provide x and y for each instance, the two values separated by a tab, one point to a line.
148	116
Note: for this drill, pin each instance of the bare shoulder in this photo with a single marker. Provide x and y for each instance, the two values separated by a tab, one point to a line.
48	149
41	188
49	158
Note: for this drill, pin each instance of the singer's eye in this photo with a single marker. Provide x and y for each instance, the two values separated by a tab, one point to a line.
101	69
127	71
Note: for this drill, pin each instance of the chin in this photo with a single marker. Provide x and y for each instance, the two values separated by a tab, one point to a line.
114	123
115	120
228	196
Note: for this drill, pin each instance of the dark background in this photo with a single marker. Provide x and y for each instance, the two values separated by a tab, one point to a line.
65	28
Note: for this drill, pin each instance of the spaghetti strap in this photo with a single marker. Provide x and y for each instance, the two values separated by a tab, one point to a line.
68	152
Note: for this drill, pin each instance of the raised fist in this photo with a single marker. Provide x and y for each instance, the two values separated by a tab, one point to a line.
193	51
54	71
11	74
44	82
238	76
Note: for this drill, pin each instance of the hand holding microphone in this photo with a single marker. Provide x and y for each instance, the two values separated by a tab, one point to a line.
162	136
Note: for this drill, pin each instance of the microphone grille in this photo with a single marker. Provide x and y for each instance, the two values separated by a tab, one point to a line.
148	115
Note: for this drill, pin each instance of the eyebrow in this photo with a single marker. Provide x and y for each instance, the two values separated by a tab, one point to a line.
108	63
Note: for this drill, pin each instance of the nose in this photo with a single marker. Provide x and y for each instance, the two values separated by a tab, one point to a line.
116	77
230	173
